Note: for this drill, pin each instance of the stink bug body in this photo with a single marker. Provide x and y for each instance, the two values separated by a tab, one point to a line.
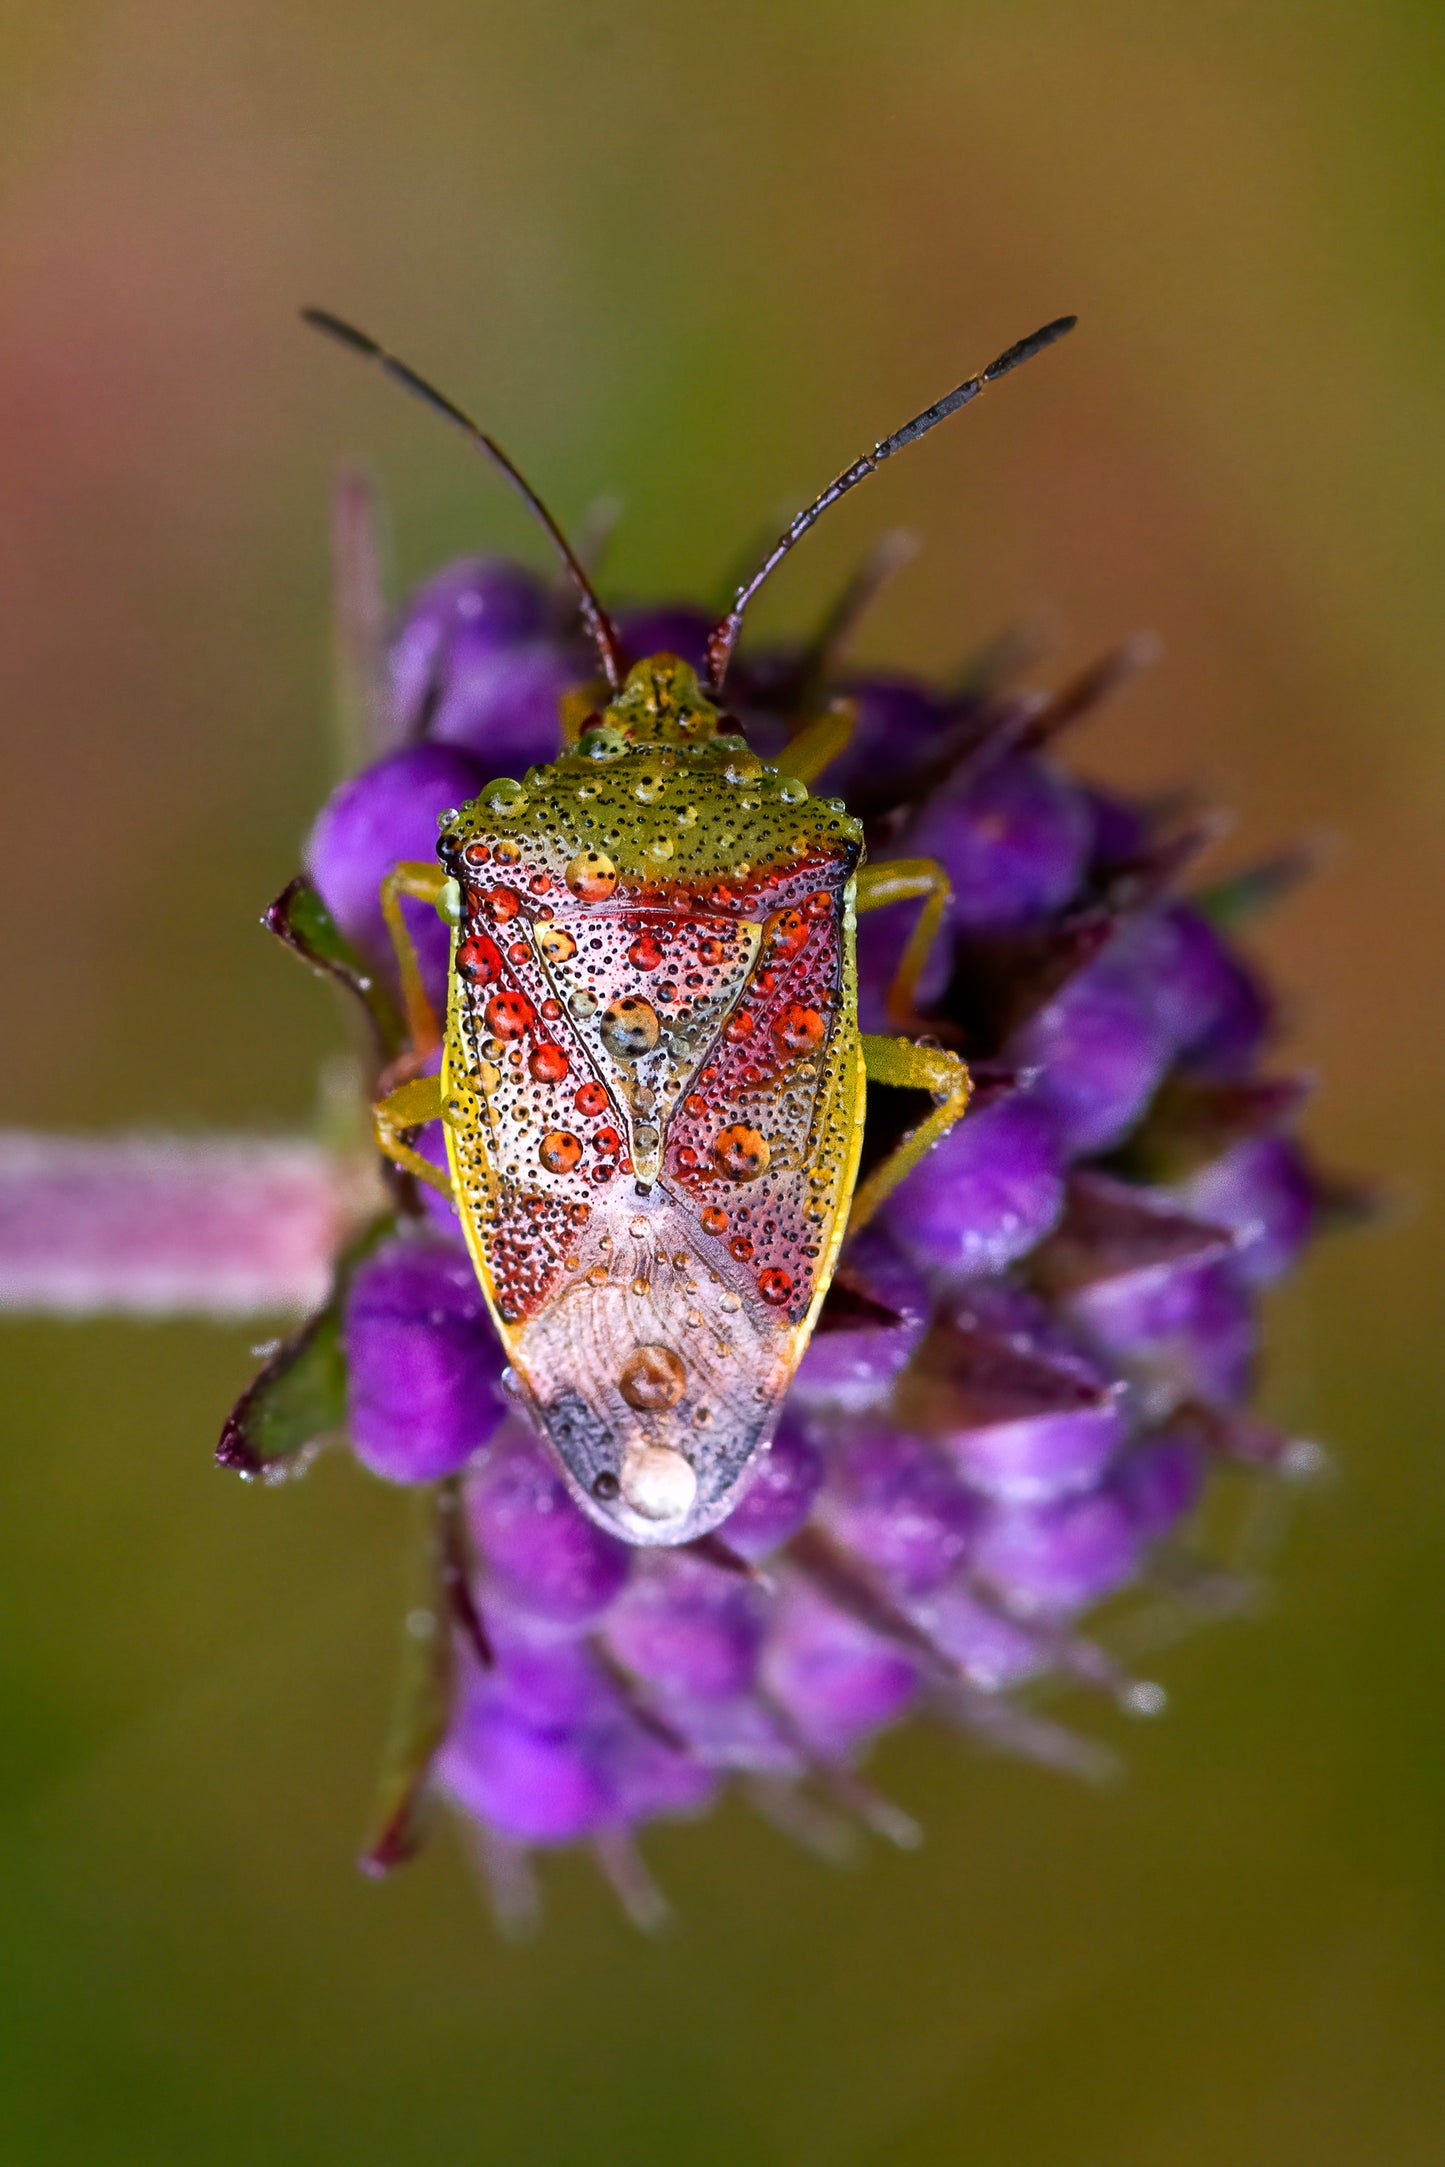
651	1074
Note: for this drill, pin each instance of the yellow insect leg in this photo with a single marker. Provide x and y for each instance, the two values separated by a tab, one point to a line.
424	883
903	880
910	1067
818	743
411	1106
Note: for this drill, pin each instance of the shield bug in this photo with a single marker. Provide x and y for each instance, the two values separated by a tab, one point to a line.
652	1077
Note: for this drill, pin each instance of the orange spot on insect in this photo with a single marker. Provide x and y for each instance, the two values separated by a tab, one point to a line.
551	1010
741	1153
740	1247
476	854
540	883
687	1159
630	1027
518	952
709	948
479	959
799	1029
559	1151
715	1219
508	1015
608	1142
590	1099
775	1285
508	851
503	904
548	1064
695	1106
740	1026
819	904
645	953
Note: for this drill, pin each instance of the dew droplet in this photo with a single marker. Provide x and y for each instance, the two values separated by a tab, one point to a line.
630	1027
592	876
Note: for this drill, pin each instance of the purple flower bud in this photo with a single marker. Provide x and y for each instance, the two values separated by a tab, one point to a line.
1182	1330
382	816
835	1677
1159	1482
1100	1051
541	1555
894	1503
1049	1561
536	1783
1261	1189
424	1363
993	1651
1029	1458
505	708
688	1629
779	1495
853	1364
475	608
1208	1004
985	1195
1014	837
897	724
677	628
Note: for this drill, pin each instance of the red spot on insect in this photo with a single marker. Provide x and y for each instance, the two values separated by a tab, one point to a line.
740	1247
708	1076
799	1029
766	982
709	948
775	1285
476	854
559	1151
508	1015
604	1172
715	1219
687	1159
819	904
739	1027
695	1106
549	1064
608	1142
645	953
479	959
551	1010
540	883
518	952
590	1099
504	904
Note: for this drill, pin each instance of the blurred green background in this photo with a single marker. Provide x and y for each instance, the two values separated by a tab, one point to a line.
702	255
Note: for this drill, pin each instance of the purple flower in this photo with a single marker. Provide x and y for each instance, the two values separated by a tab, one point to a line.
1025	1370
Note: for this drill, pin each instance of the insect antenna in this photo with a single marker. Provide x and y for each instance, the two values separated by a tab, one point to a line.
724	636
599	624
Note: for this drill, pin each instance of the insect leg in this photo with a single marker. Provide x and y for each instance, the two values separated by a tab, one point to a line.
901	880
819	742
909	1067
424	883
411	1106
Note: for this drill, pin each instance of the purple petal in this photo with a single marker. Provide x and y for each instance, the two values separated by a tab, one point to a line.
541	1554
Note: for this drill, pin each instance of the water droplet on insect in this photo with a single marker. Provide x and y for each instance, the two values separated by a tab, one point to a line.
505	797
591	876
731	1302
630	1027
582	1003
